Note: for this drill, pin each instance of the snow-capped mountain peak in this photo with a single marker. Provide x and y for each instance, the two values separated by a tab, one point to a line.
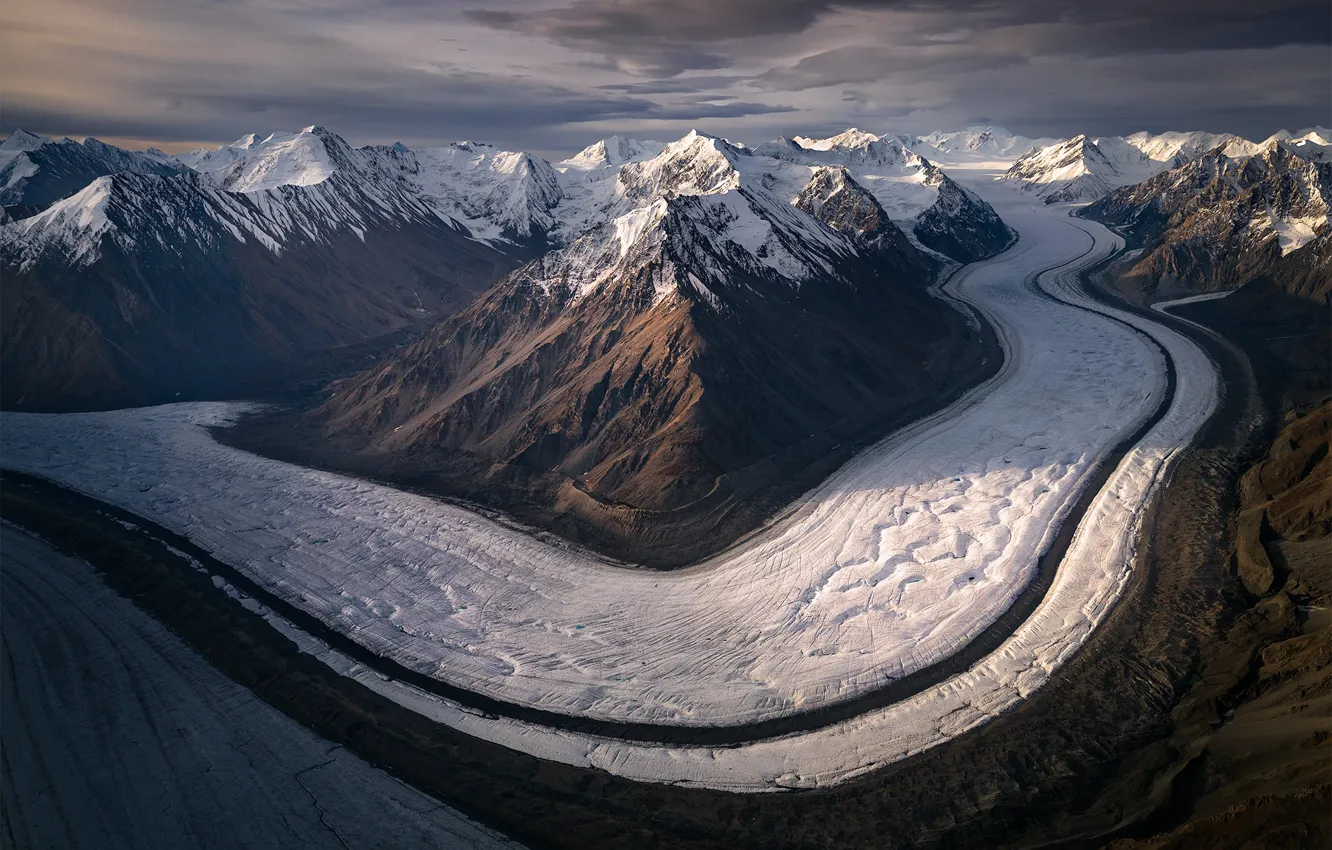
852	137
1317	135
36	172
610	152
20	141
975	144
854	148
786	210
206	160
500	196
1177	148
1312	143
915	193
973	138
73	226
1084	169
703	212
697	164
284	159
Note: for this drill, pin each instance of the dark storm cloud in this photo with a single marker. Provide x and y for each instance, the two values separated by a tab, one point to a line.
383	105
661	37
552	75
698	110
656	38
356	114
864	64
621	21
676	85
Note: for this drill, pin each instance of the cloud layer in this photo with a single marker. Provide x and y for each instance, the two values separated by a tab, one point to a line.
551	76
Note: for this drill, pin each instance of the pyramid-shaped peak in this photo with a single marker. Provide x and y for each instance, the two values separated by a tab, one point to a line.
21	137
695	164
848	139
853	137
612	151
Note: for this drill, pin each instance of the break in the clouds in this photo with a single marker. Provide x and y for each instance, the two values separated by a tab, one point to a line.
551	76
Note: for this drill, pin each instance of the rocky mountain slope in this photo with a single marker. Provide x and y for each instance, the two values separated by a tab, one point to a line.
941	214
144	286
1221	221
734	308
1084	169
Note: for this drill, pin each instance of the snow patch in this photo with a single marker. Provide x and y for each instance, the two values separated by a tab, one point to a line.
1294	233
630	226
282	159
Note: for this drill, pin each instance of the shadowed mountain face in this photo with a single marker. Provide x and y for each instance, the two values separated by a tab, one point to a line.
670	350
940	213
153	325
35	172
144	288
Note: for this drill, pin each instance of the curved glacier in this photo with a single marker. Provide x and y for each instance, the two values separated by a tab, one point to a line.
900	559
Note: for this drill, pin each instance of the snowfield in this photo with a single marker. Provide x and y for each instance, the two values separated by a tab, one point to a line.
897	561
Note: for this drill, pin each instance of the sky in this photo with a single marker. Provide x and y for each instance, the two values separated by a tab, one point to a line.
550	76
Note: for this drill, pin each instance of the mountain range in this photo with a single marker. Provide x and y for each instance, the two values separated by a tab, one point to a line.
147	285
641	331
641	336
35	172
219	264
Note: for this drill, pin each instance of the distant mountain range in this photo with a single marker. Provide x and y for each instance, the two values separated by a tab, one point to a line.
1084	169
135	276
35	172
